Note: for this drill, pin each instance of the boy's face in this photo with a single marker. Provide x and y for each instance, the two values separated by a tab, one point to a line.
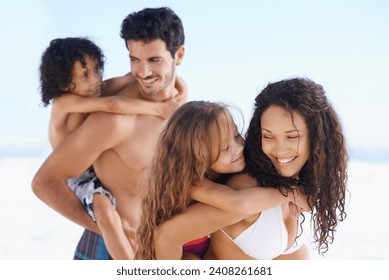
154	68
86	81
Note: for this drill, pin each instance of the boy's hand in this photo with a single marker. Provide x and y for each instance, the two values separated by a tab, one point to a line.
170	105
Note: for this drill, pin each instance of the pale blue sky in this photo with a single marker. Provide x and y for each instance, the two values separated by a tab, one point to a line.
233	49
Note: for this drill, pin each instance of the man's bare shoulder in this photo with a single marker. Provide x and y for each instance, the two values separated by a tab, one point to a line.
109	123
124	85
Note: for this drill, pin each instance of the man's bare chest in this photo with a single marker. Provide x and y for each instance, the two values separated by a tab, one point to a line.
138	147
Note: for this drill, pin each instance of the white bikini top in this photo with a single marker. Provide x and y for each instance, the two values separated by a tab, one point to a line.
266	238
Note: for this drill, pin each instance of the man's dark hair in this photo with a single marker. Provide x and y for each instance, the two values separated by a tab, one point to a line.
154	23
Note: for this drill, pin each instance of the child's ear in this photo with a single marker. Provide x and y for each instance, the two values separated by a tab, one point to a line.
68	88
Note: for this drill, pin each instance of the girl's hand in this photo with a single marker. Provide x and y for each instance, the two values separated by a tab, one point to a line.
301	202
295	210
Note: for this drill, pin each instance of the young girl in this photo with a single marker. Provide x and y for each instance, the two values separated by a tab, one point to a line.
71	80
294	138
200	142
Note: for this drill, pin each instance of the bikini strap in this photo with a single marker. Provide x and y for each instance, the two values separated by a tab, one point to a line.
226	234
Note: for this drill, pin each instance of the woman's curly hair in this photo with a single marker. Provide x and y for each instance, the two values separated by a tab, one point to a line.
323	177
57	64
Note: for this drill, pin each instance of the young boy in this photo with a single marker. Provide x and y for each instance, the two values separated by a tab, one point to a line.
71	80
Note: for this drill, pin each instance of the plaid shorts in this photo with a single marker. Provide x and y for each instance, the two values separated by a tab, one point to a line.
91	247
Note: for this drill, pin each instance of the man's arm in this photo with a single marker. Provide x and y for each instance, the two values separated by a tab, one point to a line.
74	155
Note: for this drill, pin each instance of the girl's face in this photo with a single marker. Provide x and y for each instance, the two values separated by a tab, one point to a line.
231	159
87	80
285	140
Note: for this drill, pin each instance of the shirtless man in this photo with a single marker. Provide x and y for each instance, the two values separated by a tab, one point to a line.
120	147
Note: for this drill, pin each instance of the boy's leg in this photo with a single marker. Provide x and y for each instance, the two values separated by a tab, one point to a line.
110	225
91	245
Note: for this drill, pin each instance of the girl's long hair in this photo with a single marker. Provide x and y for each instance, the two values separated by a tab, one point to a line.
190	143
323	177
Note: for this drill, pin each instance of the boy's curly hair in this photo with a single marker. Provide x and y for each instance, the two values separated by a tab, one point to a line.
57	64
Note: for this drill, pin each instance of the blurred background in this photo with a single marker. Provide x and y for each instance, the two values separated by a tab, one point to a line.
233	49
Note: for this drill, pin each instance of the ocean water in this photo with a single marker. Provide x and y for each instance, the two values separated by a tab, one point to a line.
30	230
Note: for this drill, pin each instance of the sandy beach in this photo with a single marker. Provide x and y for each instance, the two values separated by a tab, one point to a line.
32	231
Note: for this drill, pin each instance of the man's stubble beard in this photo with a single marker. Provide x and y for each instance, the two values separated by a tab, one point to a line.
155	93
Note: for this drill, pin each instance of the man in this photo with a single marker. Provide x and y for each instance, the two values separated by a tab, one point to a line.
120	147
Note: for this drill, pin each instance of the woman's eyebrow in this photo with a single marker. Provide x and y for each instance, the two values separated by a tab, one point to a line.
288	131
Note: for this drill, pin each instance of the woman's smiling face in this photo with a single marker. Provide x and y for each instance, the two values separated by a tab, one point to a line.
285	140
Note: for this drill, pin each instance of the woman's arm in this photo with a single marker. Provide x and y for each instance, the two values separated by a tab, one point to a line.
244	201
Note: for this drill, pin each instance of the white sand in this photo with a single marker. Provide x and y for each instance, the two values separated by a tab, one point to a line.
31	230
